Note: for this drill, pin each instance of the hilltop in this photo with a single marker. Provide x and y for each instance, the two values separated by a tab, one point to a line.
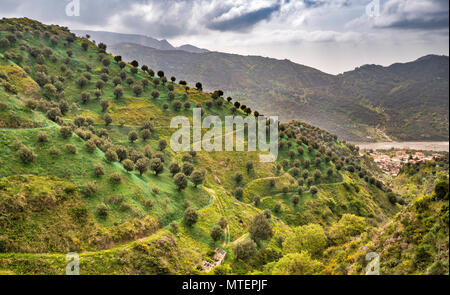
86	167
404	101
111	38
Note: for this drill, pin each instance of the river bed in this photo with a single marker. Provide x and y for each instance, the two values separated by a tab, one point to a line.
436	146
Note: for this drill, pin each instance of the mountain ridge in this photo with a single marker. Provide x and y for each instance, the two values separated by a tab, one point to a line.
112	38
355	98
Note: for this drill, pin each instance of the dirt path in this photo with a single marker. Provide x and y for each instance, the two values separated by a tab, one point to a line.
222	211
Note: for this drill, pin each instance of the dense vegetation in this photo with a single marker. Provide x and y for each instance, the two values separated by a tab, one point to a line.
85	166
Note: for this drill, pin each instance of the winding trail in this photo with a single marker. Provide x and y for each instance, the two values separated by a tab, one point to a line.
222	211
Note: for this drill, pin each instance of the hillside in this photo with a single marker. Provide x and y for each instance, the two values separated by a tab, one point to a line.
86	167
404	101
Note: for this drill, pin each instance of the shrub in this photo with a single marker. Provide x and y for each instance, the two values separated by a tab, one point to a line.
187	168
256	200
27	155
148	204
71	148
238	193
348	226
297	264
260	228
190	216
277	207
162	144
441	190
174	168
156	165
111	155
90	145
132	136
197	178
309	238
145	134
142	165
54	152
102	210
245	250
128	165
115	178
222	222
42	137
217	233
90	189
99	170
180	181
238	177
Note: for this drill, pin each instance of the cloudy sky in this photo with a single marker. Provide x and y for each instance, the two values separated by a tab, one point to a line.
331	35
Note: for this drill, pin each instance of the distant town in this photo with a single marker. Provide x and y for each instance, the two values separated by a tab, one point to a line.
391	161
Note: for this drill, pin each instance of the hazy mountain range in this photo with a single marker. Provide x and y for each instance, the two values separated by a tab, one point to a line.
404	101
115	38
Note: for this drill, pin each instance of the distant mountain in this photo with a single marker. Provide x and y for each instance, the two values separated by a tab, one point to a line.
111	38
192	49
406	101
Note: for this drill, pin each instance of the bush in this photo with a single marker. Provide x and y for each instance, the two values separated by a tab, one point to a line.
115	178
197	178
245	250
180	181
297	264
142	165
128	165
132	136
99	170
222	222
187	168
217	233
111	155
190	216
42	137
54	152
27	155
90	189
65	131
102	210
71	149
238	177
238	193
260	228
90	146
441	190
309	238
156	165
277	207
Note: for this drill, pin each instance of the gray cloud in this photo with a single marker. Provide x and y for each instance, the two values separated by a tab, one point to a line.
301	30
245	21
414	14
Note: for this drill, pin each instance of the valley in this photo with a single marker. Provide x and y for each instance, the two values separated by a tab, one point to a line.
402	102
